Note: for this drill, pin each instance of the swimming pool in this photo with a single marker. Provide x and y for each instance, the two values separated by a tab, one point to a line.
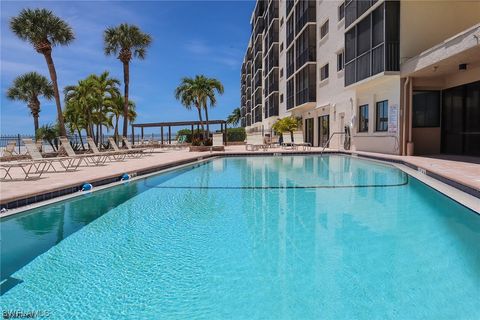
291	237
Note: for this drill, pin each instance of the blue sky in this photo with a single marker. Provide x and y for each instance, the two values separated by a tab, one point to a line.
189	37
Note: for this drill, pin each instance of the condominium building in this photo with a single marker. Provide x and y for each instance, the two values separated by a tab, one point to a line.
402	76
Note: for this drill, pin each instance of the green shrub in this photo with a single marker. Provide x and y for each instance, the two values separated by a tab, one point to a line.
236	134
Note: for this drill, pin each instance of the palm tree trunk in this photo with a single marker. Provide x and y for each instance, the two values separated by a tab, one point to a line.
115	132
35	122
97	134
80	136
200	119
126	80
206	121
53	77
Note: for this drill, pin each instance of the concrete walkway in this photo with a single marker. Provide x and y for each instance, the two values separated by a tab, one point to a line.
464	173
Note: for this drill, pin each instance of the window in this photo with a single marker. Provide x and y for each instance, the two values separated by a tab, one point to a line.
324	30
381	119
426	109
281	98
340	61
363	118
324	72
341	12
281	73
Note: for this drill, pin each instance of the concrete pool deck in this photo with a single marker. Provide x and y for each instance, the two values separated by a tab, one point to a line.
461	175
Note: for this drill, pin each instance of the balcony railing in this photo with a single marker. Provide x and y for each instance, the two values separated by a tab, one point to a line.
307	15
308	55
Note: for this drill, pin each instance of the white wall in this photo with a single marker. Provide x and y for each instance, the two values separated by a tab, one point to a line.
383	88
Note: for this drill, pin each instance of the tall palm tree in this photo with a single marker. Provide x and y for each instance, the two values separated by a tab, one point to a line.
198	92
127	42
234	117
213	86
189	95
28	88
117	112
44	30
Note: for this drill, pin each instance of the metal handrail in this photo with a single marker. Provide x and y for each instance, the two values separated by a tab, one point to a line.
328	141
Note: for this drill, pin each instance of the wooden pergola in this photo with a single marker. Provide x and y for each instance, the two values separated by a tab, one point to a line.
162	125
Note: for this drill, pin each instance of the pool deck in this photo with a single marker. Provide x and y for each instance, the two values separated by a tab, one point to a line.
462	175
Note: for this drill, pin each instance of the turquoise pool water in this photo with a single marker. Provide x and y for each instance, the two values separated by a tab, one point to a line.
298	237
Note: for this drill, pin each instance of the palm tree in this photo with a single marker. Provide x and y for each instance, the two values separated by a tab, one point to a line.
44	30
212	85
234	117
82	97
198	92
28	88
75	119
188	94
93	98
117	112
127	42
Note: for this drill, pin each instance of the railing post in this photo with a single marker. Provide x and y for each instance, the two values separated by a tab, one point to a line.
19	141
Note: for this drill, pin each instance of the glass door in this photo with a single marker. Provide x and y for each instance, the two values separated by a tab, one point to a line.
323	130
309	130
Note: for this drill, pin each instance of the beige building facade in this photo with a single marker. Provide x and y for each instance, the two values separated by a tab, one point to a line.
396	77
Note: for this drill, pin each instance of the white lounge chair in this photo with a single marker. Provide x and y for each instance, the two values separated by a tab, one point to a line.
287	141
130	148
88	159
30	169
111	155
298	141
217	141
255	142
130	153
67	163
9	150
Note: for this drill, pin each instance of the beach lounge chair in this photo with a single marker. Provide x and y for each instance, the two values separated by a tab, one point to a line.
88	159
130	148
255	142
30	169
130	153
9	150
273	141
298	140
217	141
111	155
287	141
67	163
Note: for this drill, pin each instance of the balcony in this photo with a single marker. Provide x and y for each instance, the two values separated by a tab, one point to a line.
257	114
305	12
272	12
305	85
271	106
290	94
290	62
289	6
259	27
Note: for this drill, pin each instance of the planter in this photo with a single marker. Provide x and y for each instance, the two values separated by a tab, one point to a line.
205	148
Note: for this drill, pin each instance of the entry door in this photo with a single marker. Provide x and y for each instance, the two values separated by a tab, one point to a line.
461	120
323	130
309	130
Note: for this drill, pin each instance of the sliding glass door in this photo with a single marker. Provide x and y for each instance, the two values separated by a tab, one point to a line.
461	120
323	130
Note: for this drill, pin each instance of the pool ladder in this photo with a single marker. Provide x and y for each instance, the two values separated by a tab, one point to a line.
328	141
